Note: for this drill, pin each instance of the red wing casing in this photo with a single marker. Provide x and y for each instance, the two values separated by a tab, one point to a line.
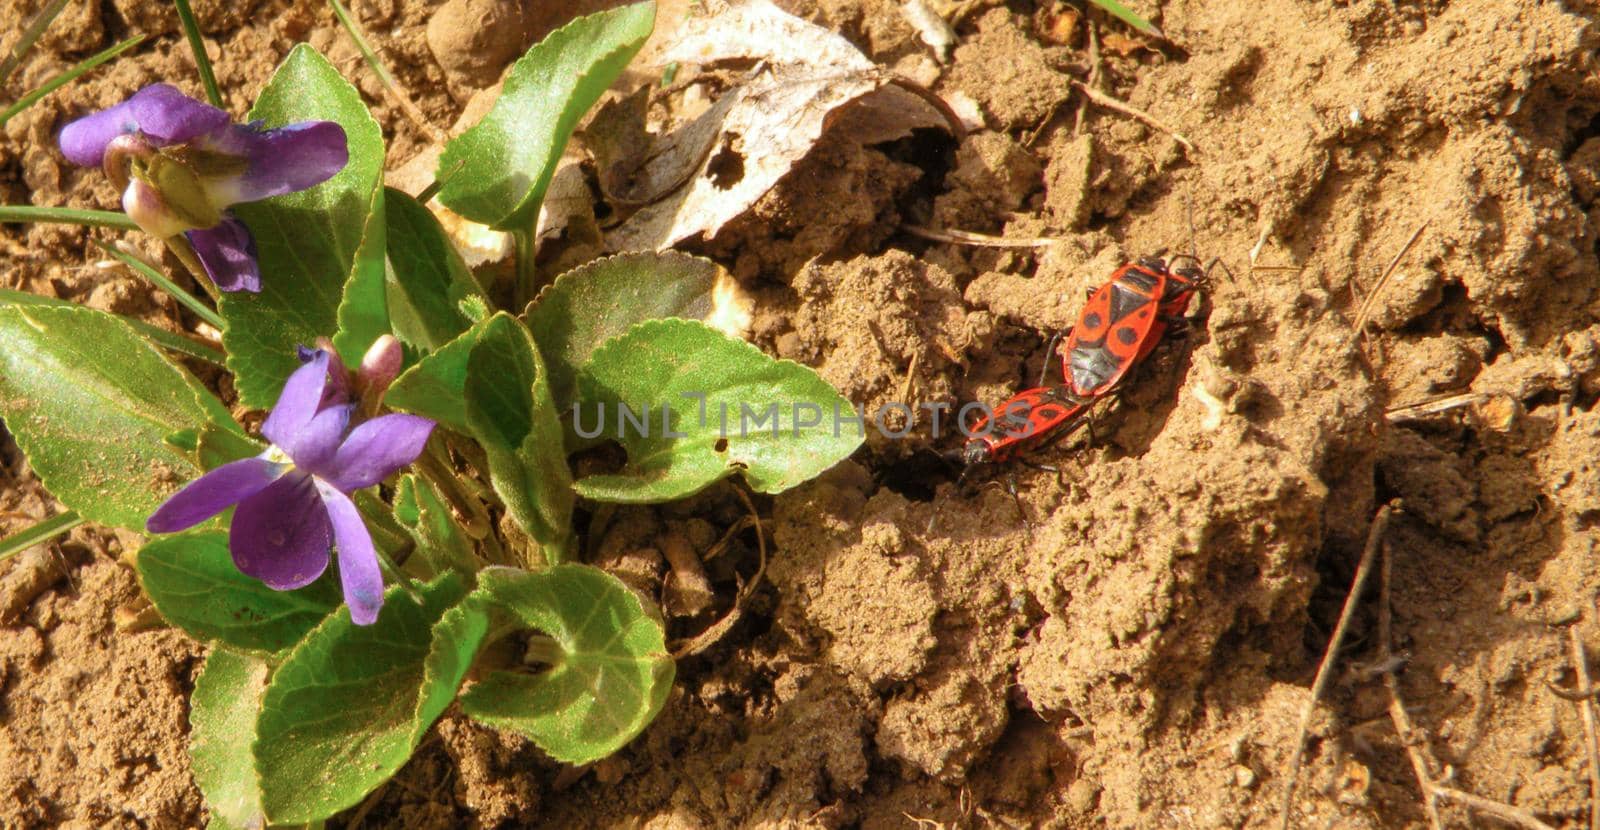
1026	420
1117	327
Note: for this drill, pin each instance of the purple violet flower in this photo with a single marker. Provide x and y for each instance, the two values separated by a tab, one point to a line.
293	501
181	163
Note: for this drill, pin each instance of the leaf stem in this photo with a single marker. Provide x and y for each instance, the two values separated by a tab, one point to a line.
527	273
67	77
437	470
30	35
191	29
41	532
68	216
544	649
188	300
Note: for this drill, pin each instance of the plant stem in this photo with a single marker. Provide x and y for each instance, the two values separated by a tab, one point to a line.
527	272
30	35
67	77
438	471
40	532
544	649
189	301
202	62
68	216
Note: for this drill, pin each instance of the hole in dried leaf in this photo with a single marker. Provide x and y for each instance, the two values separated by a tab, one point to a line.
726	168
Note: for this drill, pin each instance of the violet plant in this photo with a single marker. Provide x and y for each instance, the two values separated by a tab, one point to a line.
351	565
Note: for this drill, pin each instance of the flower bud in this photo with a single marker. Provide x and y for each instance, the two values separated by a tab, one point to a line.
379	367
146	207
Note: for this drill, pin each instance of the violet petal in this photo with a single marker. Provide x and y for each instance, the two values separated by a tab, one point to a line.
228	252
84	141
298	402
377	448
284	160
314	446
358	560
167	116
213	493
281	535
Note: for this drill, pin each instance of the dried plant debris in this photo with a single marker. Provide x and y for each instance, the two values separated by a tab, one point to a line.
805	81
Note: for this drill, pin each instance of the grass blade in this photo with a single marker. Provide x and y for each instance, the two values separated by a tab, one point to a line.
30	35
191	30
171	341
390	85
41	532
68	77
200	309
1130	17
69	216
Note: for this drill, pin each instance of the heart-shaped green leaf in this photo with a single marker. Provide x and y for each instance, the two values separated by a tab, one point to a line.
91	403
496	172
435	386
427	278
193	582
509	411
692	405
603	299
349	704
222	725
319	248
610	679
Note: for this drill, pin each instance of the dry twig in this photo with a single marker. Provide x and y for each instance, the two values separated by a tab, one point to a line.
1111	103
1365	309
1433	406
712	635
1325	670
979	240
1580	663
1096	71
1416	743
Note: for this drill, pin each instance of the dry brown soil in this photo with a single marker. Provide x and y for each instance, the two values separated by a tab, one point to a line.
1139	655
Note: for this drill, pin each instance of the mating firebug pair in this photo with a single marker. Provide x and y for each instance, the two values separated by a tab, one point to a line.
1120	325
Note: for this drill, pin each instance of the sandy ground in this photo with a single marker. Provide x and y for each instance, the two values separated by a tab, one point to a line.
1137	654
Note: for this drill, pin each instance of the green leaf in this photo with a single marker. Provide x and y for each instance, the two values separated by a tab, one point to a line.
211	446
350	703
222	725
193	582
510	412
712	405
90	402
612	675
499	169
600	300
428	281
311	244
433	388
159	336
216	446
364	309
